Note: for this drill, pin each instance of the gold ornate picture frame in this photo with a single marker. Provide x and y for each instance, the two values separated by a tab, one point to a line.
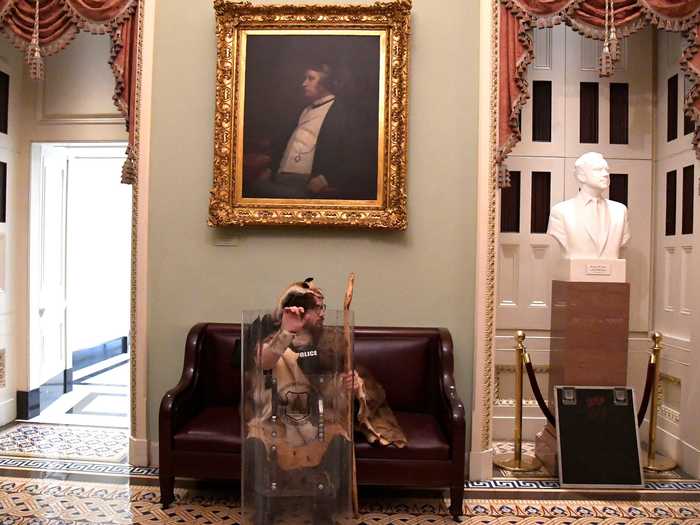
311	115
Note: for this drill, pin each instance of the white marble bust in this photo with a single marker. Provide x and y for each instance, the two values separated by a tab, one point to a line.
589	226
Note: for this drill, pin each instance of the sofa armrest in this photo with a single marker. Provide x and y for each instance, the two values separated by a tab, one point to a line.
178	403
451	413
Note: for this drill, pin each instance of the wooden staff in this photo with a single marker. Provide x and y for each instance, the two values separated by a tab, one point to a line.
347	333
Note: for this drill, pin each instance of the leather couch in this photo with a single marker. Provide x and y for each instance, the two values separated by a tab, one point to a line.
200	422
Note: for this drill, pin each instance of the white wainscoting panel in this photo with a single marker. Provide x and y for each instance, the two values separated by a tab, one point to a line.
526	260
542	39
673	313
508	271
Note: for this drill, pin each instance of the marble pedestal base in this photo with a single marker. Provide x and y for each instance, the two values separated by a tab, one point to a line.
589	334
546	449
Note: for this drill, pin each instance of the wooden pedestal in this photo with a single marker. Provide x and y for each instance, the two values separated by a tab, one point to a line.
589	334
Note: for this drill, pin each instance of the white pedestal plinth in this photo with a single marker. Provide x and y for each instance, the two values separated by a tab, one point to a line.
592	270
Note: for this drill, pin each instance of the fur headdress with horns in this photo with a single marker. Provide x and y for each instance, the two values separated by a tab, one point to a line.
303	293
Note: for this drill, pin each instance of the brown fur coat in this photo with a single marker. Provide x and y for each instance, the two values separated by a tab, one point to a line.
374	418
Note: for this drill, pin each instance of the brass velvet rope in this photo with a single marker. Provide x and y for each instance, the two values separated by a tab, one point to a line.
643	406
648	387
536	390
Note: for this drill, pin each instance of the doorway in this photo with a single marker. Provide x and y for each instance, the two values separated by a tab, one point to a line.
79	285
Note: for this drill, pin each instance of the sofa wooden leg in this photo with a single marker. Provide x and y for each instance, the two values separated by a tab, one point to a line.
167	490
456	499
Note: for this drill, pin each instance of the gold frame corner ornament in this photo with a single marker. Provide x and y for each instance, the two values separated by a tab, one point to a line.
389	20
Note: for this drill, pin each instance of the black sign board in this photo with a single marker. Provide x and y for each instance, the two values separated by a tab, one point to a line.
597	437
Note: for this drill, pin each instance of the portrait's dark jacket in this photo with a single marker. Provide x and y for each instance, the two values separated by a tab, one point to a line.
346	154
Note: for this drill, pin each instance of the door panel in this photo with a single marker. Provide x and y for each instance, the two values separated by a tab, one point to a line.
526	259
48	256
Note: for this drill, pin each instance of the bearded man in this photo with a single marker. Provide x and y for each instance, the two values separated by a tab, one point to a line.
298	403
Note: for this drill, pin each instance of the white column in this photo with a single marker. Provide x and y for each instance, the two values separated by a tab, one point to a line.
139	439
480	455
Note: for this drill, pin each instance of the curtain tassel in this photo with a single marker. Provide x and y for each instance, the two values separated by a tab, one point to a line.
606	61
129	169
33	56
611	45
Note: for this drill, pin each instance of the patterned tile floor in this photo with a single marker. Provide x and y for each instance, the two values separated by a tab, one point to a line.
36	490
64	442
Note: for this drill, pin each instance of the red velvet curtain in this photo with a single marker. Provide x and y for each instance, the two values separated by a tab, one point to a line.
61	20
517	17
592	13
515	54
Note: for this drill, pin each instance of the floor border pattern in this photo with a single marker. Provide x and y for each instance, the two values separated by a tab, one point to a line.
68	466
545	484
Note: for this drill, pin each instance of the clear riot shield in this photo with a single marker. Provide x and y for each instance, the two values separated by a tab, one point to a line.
296	421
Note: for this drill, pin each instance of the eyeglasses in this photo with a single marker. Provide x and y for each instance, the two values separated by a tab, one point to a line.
320	307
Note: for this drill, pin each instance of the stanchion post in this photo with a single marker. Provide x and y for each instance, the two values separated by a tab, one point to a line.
517	462
518	433
656	462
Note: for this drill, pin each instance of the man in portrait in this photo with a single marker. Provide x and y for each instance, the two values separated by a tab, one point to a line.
327	152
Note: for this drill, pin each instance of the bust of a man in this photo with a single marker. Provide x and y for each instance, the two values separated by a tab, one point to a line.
589	226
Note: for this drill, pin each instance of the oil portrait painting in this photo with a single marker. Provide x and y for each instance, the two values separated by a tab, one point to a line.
311	116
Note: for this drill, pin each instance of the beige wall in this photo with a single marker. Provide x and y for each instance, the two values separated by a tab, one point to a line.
423	276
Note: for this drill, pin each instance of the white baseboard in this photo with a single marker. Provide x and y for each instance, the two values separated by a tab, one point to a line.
8	411
155	458
481	465
690	459
686	455
138	452
667	443
504	427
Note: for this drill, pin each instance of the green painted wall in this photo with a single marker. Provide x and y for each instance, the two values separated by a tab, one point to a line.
421	277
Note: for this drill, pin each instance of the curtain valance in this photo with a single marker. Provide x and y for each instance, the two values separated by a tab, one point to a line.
59	21
516	50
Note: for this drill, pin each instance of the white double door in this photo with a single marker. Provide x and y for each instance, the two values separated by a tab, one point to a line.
47	277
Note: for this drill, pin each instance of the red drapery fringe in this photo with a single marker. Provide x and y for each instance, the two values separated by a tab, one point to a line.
61	20
517	17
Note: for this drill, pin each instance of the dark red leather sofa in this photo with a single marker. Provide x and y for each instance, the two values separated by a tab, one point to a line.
200	424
